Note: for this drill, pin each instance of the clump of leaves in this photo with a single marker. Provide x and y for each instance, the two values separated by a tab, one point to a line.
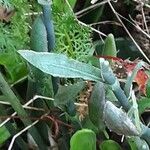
72	39
13	36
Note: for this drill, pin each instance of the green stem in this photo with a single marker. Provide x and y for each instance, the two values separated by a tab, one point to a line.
109	78
21	143
16	105
48	22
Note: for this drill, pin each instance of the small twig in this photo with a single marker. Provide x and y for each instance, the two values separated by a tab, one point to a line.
26	107
93	29
81	104
128	31
106	22
22	131
144	4
20	80
136	26
100	39
5	121
31	101
82	23
28	103
33	13
90	8
93	1
144	19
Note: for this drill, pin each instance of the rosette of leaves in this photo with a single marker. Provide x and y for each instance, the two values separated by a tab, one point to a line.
72	39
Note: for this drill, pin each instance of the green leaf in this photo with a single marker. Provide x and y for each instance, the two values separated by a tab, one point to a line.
148	89
62	6
96	105
128	85
87	123
109	144
68	93
39	36
118	121
16	105
110	46
15	69
143	104
110	95
61	66
84	139
4	134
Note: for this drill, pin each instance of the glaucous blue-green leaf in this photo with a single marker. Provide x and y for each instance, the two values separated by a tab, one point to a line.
84	139
60	65
109	144
118	121
96	105
39	36
44	2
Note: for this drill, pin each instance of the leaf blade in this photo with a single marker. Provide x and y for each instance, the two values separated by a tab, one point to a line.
61	66
83	139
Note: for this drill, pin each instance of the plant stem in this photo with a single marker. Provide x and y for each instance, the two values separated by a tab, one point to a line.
16	105
48	22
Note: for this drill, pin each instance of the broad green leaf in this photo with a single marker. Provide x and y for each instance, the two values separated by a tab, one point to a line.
118	121
96	105
84	139
61	66
148	89
68	93
137	144
4	134
109	144
143	104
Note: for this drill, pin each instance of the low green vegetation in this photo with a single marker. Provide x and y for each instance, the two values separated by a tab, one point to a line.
66	85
